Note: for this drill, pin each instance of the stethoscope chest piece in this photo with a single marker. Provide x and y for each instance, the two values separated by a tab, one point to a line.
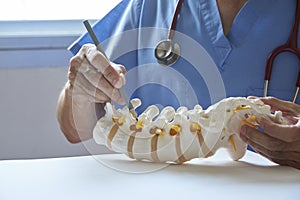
167	52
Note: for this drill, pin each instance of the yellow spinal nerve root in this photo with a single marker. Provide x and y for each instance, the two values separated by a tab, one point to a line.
231	140
175	129
195	127
159	132
139	125
242	107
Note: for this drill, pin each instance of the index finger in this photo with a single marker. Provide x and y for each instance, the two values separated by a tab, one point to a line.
287	133
277	104
102	65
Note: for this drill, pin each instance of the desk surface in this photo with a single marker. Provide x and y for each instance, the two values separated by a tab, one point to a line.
117	177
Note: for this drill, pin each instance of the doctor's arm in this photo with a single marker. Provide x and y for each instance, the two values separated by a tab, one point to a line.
92	81
279	143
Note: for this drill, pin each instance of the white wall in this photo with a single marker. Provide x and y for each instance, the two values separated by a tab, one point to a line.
31	78
28	115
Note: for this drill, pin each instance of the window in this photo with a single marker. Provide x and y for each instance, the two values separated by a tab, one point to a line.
55	9
35	33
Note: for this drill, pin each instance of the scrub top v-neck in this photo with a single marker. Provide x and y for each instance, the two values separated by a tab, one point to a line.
213	66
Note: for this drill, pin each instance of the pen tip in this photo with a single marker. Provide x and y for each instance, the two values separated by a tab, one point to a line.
133	114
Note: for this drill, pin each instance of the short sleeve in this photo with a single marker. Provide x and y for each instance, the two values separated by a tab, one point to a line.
124	16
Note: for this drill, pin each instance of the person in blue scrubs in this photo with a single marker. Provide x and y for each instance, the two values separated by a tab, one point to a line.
224	48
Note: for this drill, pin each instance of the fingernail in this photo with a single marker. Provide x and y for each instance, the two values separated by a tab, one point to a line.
121	101
118	99
117	83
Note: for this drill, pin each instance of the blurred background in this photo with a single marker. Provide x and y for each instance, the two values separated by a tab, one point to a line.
34	37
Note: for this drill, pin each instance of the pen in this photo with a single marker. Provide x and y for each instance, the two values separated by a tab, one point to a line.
99	48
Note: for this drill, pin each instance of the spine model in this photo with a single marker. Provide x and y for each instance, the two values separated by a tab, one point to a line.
181	135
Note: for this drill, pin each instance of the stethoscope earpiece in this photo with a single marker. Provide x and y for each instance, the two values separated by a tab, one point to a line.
167	52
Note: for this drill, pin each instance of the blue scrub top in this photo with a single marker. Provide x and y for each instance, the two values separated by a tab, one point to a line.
212	66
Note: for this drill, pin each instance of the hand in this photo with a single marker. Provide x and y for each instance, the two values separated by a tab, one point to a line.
92	81
94	77
279	143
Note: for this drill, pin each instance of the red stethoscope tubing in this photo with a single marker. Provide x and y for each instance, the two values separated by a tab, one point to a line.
174	20
290	46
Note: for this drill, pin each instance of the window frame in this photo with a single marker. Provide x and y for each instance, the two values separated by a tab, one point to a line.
33	44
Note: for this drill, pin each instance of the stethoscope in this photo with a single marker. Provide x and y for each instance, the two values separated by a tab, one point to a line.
167	51
290	46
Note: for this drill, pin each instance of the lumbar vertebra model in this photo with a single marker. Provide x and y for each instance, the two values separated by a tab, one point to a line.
181	135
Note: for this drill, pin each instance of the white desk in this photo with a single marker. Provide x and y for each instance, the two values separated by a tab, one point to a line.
86	178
